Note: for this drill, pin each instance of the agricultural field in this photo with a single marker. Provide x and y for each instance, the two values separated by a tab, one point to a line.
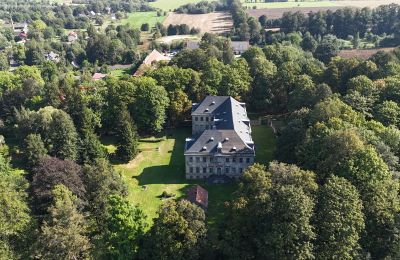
136	19
218	22
160	167
170	5
362	53
276	9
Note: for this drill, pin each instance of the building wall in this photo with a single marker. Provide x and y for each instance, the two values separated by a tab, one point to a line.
203	166
201	123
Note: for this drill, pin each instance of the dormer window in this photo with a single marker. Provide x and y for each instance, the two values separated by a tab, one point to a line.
207	109
213	102
211	138
204	148
226	139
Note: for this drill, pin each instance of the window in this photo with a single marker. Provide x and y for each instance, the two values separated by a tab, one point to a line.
204	170
227	159
201	118
197	159
240	170
211	169
233	170
196	118
247	160
206	119
211	159
191	169
234	159
190	159
227	170
204	159
197	169
241	160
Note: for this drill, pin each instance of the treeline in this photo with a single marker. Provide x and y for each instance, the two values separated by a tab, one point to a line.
202	7
336	196
345	22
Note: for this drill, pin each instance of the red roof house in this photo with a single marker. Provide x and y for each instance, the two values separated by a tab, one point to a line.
152	58
198	196
98	76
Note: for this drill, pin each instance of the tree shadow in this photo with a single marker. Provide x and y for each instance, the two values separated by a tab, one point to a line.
174	172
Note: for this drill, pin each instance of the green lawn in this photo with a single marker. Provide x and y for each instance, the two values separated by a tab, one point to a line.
160	167
290	4
136	19
170	5
119	72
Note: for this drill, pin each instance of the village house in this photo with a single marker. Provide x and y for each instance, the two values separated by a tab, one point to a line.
98	76
239	47
221	142
72	36
198	195
154	57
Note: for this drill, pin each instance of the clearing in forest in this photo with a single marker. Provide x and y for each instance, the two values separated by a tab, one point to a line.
160	167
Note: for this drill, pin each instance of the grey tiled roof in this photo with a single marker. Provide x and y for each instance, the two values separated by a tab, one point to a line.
232	127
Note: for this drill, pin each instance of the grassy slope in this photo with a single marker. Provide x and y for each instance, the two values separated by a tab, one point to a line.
162	169
170	5
138	18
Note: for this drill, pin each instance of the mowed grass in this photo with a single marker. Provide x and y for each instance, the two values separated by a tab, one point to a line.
291	4
160	167
136	19
170	5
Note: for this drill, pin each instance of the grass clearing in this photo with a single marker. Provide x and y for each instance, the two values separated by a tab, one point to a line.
136	19
160	167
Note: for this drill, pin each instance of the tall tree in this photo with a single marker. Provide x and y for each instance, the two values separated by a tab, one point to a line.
339	220
63	233
127	137
178	232
125	227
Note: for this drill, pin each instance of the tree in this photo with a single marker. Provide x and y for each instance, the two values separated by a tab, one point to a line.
309	43
125	227
63	233
14	211
388	113
34	149
50	172
178	232
339	220
127	137
328	48
151	102
91	148
63	136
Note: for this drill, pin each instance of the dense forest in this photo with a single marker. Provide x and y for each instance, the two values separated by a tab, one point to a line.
332	191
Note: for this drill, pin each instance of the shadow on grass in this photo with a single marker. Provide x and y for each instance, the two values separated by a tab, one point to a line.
174	172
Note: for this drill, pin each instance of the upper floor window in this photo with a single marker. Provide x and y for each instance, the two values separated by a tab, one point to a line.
211	159
240	160
247	160
233	159
190	159
227	159
196	118
204	159
197	159
206	119
201	118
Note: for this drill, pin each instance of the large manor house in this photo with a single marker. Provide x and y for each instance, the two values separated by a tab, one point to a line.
221	142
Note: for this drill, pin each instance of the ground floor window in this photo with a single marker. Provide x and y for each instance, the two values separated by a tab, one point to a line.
204	170
226	170
191	169
197	170
211	170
